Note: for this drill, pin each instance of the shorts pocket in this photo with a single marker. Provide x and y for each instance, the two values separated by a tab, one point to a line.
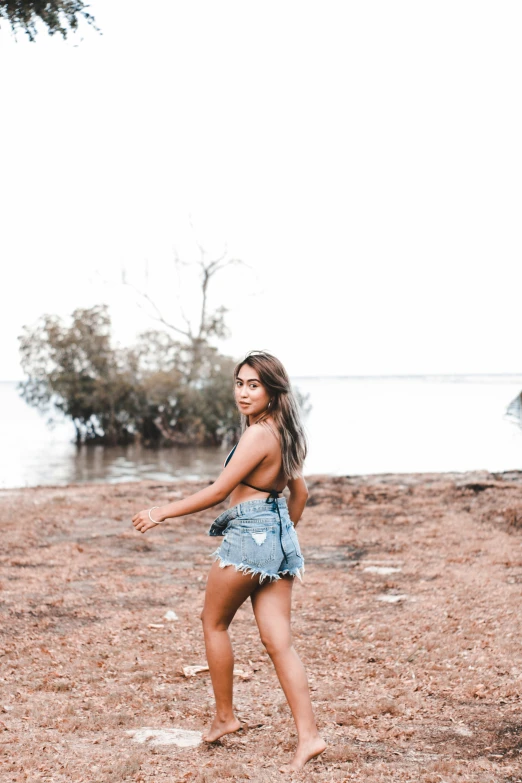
258	545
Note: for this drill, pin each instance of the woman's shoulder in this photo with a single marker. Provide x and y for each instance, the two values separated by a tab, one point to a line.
269	429
261	433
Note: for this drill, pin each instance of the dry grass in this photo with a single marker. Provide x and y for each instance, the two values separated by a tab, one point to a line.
424	689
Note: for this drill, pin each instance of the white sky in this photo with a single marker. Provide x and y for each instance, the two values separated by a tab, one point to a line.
362	158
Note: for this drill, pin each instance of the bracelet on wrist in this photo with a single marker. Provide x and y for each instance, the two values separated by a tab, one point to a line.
153	520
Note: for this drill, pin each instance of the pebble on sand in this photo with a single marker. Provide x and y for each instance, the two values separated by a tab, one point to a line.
391	599
191	671
384	570
183	738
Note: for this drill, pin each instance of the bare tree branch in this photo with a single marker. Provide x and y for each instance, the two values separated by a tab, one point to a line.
159	316
211	324
177	264
209	269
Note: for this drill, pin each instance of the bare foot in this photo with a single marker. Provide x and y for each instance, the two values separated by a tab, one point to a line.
305	751
221	727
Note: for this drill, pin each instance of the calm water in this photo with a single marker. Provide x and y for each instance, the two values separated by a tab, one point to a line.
357	425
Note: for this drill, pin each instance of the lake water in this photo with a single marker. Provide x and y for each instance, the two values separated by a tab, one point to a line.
356	426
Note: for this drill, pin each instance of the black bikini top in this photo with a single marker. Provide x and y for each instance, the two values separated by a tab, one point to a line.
273	493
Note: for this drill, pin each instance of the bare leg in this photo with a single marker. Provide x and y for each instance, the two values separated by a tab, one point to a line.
272	607
226	590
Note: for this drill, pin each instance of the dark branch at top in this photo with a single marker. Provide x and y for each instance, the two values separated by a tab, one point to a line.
59	16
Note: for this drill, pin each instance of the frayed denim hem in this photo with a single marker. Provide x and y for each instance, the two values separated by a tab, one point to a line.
245	568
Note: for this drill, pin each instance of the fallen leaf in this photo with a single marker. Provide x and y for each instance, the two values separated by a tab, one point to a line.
191	671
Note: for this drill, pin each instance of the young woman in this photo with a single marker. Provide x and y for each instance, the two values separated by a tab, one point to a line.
260	555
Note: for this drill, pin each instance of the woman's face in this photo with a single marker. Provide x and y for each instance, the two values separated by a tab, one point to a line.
251	396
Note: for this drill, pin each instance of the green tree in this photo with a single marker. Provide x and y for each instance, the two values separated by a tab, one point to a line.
170	388
189	392
75	370
114	396
185	409
59	16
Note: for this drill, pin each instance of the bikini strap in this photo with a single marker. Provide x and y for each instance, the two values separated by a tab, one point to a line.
273	493
230	455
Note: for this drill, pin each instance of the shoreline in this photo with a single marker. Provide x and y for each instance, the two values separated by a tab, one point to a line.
410	478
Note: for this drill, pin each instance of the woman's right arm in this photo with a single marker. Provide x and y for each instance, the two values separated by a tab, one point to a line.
297	499
251	450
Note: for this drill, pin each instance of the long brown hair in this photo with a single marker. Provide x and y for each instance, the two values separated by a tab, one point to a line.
283	408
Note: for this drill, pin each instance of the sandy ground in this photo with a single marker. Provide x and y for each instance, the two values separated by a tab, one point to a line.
408	622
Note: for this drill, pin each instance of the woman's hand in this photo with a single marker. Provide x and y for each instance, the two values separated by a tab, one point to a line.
143	520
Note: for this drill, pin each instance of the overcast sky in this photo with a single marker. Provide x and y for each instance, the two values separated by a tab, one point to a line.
363	160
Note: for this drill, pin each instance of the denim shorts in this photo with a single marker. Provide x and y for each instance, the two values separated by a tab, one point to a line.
259	538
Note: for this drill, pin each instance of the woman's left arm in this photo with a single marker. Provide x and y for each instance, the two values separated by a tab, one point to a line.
297	499
251	450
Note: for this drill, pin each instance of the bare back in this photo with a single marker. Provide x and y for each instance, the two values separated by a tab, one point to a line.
268	473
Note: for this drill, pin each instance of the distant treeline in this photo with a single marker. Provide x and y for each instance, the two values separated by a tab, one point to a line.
159	392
